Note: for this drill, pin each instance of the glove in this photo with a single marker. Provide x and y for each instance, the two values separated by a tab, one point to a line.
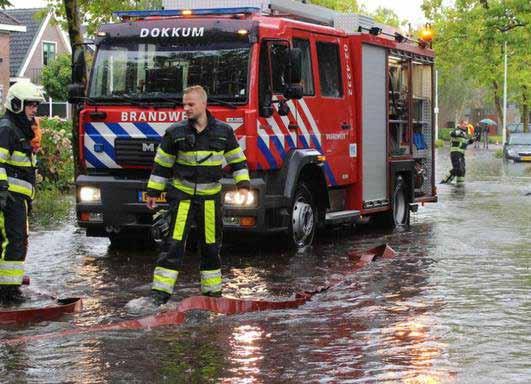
4	195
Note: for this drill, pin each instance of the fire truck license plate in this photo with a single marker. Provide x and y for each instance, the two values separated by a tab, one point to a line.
142	197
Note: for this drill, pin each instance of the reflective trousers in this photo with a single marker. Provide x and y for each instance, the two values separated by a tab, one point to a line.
458	166
206	212
13	240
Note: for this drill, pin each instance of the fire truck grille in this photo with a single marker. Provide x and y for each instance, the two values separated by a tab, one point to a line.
132	151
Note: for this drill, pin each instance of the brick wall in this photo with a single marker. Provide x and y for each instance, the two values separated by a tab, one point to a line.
4	67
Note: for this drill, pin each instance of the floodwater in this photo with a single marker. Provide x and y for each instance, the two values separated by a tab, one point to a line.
453	307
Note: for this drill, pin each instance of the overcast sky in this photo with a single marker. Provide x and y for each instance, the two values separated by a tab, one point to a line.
405	9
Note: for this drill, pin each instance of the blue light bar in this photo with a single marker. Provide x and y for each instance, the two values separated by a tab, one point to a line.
179	12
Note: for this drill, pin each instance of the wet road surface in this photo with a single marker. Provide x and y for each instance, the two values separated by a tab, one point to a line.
452	307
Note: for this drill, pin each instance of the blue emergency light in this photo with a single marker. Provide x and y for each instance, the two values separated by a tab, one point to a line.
187	12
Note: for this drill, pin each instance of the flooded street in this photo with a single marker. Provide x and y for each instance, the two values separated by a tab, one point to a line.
452	307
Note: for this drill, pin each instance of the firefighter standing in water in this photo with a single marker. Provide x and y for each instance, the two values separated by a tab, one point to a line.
17	184
459	140
189	161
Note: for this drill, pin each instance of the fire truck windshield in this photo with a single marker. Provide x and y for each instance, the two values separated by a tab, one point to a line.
153	72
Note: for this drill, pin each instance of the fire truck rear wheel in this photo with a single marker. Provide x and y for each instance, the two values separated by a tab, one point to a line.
400	204
303	218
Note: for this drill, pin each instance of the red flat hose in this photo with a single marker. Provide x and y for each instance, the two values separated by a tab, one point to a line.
221	305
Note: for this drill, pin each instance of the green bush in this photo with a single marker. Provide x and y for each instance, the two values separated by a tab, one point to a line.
444	134
499	153
56	76
55	161
495	139
439	143
50	206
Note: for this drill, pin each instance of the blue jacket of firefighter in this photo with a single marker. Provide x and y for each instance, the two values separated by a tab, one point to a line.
188	167
17	184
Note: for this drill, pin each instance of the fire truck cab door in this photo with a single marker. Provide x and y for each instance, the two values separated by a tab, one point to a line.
323	115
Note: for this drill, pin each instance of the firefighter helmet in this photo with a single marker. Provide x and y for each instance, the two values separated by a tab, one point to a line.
21	92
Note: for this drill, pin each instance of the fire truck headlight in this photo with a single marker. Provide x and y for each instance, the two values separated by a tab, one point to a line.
89	195
237	199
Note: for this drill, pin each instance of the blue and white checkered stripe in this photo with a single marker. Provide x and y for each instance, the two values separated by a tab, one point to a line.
99	140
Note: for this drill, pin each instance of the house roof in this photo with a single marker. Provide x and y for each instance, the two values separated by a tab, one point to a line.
8	23
22	42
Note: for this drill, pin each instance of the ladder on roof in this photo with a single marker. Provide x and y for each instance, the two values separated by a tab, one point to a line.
349	22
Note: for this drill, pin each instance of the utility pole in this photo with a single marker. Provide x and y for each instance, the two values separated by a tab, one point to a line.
504	131
79	69
436	109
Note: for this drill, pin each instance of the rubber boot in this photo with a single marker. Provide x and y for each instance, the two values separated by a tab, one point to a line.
447	179
159	298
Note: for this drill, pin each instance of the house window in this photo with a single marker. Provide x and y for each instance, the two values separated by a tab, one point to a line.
48	52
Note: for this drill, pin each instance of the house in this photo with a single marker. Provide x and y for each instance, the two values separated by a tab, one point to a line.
42	42
8	27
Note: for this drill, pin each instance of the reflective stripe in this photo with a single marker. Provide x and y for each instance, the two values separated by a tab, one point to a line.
210	221
4	155
3	174
5	240
203	189
211	281
235	156
19	159
180	221
20	186
164	279
11	272
241	175
195	158
458	144
164	159
157	182
460	179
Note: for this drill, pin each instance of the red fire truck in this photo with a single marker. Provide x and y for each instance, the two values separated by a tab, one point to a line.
333	111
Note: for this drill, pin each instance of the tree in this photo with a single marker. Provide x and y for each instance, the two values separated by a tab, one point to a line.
56	76
5	3
93	13
388	17
471	35
347	6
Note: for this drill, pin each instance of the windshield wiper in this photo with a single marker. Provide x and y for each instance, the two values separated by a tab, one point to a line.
222	102
159	96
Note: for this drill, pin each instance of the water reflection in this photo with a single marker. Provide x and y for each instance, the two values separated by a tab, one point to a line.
452	307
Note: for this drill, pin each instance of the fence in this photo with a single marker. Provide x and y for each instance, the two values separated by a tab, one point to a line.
52	108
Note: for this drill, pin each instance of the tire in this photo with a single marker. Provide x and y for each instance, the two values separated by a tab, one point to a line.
303	218
398	216
400	204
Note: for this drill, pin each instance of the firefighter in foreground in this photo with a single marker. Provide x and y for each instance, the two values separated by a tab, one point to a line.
17	184
189	161
458	144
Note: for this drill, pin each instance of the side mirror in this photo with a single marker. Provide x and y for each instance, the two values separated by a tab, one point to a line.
294	91
76	93
295	65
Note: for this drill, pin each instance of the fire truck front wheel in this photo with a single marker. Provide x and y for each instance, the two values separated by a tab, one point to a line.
303	218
